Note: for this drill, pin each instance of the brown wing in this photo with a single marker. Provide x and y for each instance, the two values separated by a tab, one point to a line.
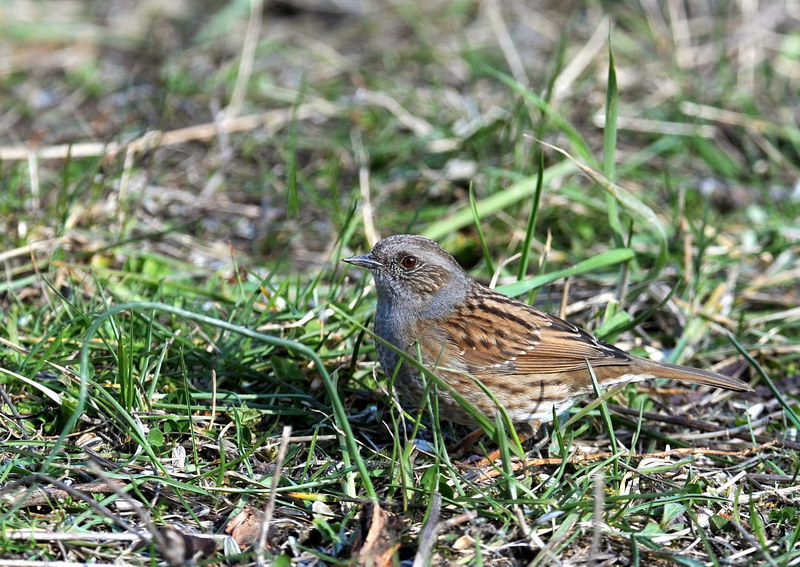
506	336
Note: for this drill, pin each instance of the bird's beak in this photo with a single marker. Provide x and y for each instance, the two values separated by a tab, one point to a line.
367	261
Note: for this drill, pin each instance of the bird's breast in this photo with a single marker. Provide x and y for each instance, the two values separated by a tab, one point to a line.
392	326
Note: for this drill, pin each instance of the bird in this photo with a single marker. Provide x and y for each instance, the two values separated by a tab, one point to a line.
535	365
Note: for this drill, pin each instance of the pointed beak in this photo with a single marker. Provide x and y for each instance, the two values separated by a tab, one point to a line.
367	261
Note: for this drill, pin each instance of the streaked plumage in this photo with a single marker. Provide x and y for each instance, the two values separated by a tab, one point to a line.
531	361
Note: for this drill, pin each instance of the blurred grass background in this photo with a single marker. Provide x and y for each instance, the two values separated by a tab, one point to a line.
216	159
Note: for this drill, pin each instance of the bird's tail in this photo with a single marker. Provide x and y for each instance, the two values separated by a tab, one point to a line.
687	374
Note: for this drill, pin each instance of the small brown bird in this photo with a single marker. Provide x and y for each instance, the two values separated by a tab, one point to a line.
532	362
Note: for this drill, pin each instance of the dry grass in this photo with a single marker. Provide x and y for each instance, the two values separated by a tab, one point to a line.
205	165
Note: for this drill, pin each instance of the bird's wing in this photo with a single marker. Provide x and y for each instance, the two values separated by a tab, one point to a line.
495	333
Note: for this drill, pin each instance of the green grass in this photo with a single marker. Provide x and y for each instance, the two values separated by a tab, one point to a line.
165	315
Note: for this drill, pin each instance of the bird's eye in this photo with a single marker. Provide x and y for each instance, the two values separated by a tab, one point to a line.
408	262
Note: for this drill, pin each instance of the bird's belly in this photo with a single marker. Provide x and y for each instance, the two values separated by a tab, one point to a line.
522	404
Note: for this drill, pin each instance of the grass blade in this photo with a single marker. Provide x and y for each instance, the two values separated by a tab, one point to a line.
602	260
336	403
496	202
487	257
537	197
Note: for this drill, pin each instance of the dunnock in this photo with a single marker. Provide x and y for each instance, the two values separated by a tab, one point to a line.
532	362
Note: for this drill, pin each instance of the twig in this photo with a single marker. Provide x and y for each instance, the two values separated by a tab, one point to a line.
246	60
273	119
418	125
37	535
597	512
308	438
562	310
213	399
748	537
780	492
144	517
467	516
429	532
580	62
38	478
29	563
270	509
33	246
659	126
15	416
363	184
731	431
506	43
680	452
701	425
681	35
766	477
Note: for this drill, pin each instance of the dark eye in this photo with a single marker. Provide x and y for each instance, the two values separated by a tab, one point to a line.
408	262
